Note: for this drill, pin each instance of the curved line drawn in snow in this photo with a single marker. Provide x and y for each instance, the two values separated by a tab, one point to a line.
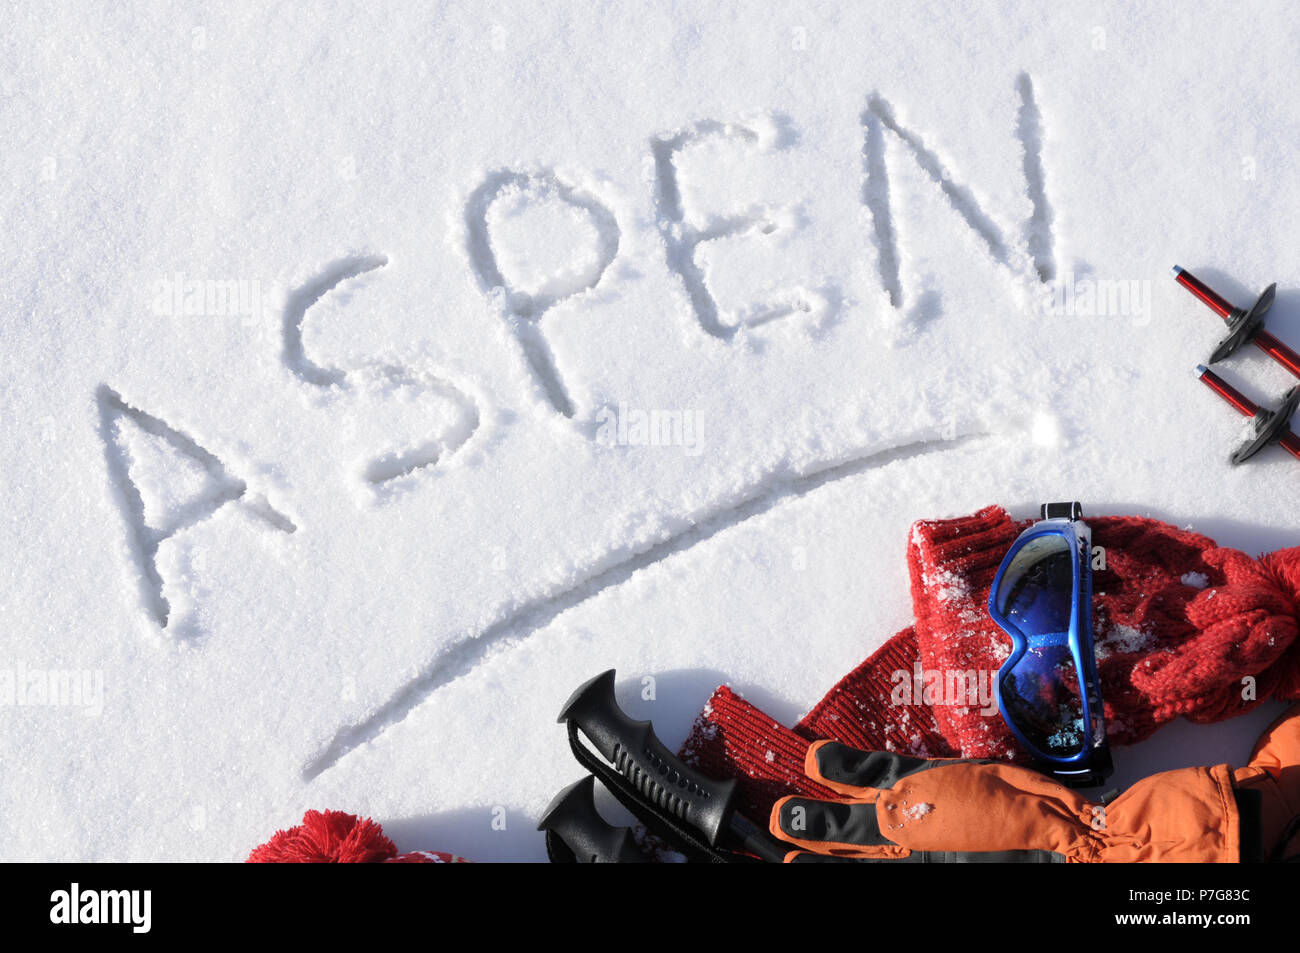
523	310
466	654
399	462
143	539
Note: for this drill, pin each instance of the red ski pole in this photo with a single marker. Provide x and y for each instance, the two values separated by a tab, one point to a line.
1270	425
1244	326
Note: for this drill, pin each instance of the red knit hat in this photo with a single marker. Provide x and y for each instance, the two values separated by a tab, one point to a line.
1182	627
334	837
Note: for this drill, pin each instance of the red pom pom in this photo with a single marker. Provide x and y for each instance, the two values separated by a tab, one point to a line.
329	837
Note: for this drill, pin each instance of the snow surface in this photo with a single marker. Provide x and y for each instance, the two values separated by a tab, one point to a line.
531	340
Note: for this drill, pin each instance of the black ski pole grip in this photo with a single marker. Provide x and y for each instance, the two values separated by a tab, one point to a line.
584	836
650	767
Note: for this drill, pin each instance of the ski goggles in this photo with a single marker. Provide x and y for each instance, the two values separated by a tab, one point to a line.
1047	689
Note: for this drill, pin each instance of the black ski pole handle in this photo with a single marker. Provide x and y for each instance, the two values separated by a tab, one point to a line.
583	836
657	775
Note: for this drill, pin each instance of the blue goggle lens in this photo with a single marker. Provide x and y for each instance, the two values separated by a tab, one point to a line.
1041	692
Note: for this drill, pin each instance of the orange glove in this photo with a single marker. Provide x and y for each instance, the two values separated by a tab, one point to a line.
1268	790
902	808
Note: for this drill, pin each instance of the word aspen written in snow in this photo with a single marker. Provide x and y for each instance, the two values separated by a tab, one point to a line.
533	293
102	907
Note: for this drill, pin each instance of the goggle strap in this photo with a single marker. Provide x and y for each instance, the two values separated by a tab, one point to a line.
1062	511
